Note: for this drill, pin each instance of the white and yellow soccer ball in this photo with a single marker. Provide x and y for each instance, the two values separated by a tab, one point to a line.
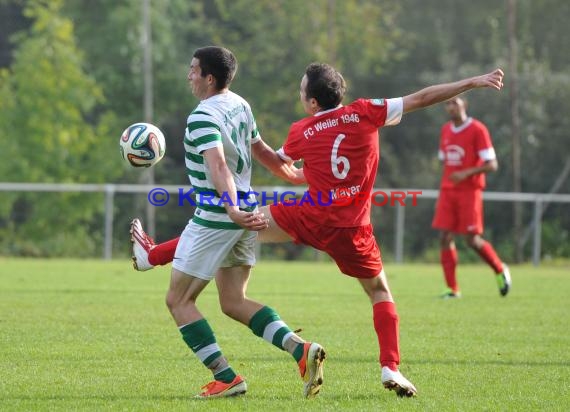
142	145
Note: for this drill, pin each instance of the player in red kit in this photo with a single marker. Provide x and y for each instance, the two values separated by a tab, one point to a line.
339	146
467	153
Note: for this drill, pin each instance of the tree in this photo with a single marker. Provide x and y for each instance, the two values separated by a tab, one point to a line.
450	39
384	49
48	104
275	41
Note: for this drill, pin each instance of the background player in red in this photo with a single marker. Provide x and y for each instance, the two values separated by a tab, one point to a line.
340	148
467	153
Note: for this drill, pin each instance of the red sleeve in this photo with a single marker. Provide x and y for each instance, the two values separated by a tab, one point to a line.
292	146
483	138
375	110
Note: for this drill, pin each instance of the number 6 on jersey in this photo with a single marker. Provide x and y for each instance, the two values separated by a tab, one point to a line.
337	160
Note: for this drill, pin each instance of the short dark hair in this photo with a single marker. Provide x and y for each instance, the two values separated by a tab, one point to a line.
219	62
325	85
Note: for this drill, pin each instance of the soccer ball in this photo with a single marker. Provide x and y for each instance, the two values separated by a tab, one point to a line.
142	145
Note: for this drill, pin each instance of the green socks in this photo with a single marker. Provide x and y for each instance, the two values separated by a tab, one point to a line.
201	340
267	324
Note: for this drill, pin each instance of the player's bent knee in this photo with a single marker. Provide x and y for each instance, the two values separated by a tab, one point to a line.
474	241
171	301
376	288
228	308
446	240
174	300
236	311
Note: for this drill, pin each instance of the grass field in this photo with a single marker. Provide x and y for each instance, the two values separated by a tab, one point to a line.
93	335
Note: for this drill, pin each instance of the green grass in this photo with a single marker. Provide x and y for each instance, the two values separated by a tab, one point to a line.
92	335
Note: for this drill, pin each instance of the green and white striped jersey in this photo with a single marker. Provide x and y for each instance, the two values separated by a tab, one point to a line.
222	120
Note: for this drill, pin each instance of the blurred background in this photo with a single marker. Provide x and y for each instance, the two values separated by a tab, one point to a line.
75	73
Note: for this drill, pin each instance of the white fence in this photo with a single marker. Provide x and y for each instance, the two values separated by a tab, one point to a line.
538	199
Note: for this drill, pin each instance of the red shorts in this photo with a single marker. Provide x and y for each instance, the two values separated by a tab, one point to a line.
354	249
459	211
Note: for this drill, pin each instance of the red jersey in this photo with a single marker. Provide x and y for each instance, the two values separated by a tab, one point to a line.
340	148
462	147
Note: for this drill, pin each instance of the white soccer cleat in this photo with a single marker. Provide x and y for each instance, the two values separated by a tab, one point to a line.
311	368
395	381
142	245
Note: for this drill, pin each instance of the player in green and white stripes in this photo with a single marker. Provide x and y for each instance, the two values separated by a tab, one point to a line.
227	119
219	239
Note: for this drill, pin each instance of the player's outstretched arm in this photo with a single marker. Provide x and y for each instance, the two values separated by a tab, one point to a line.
272	162
441	92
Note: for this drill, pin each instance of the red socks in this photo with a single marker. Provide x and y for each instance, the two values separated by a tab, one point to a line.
488	254
449	262
386	326
163	253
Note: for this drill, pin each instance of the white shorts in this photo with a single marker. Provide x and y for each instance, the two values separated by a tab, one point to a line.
201	251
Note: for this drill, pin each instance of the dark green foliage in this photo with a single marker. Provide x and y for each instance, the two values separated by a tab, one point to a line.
71	81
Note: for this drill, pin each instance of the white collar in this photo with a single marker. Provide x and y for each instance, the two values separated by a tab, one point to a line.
461	127
328	111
